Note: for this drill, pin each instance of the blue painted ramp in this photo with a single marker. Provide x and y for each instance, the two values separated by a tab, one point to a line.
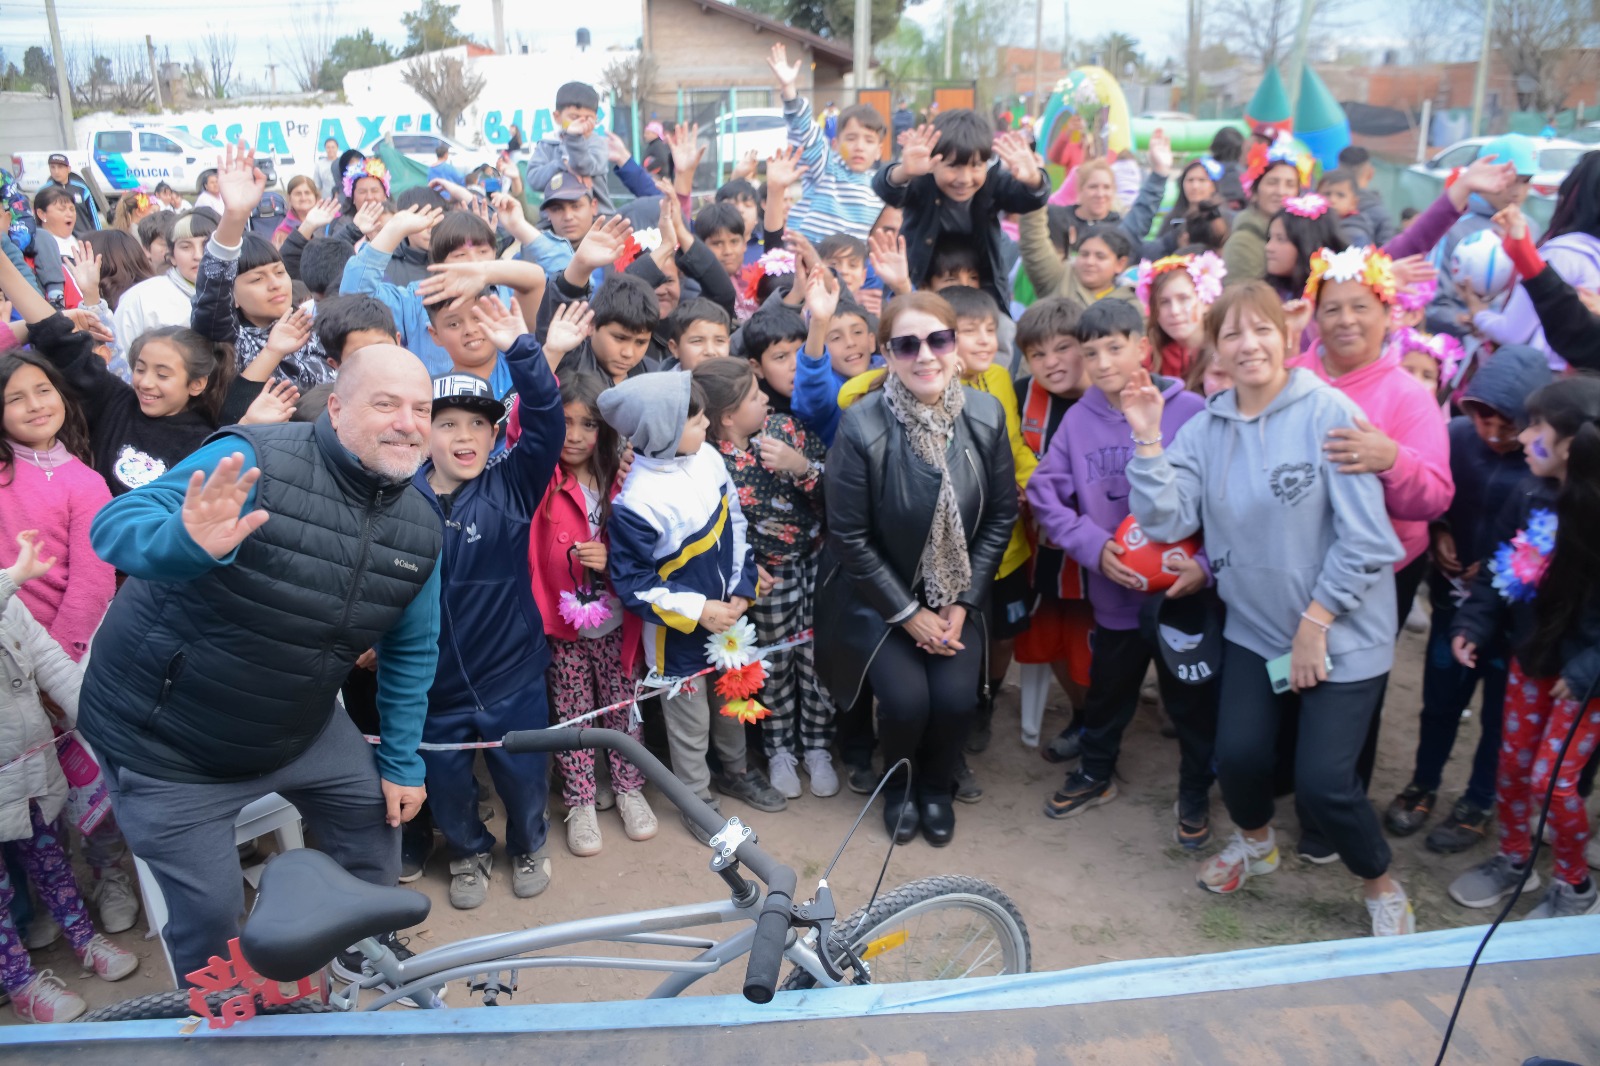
1350	1001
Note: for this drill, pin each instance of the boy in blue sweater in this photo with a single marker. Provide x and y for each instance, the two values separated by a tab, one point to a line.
492	653
679	559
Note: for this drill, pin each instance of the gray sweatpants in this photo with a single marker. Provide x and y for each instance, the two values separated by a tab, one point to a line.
691	726
185	832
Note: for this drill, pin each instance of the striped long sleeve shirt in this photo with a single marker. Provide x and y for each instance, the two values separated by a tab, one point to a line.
833	198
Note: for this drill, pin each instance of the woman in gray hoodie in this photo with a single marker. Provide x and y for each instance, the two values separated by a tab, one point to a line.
1304	559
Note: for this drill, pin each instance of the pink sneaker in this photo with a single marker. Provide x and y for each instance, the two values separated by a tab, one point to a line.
108	961
46	999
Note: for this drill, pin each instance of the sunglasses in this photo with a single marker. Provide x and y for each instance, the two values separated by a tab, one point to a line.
941	342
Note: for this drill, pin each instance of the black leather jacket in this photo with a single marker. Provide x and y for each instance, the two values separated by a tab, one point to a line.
880	501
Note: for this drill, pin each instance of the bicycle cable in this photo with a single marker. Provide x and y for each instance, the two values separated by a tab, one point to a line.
883	872
1533	855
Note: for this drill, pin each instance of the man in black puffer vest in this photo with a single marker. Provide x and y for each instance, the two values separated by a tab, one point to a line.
211	682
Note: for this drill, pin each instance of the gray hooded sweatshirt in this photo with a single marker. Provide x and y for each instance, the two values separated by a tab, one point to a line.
1281	525
649	411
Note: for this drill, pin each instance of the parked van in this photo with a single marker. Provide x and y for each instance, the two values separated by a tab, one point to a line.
130	157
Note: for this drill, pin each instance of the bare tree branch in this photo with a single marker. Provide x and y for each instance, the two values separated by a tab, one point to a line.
1262	31
211	66
309	47
630	79
443	81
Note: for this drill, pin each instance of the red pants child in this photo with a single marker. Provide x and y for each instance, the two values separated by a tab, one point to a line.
1536	725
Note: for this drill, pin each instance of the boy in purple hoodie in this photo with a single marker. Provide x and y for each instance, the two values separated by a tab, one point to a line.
1079	495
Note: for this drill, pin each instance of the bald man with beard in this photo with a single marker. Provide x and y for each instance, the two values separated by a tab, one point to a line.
259	569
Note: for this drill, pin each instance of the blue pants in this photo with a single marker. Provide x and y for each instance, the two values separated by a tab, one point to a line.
520	779
1446	690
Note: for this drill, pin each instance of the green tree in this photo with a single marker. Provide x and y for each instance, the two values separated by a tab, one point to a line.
38	71
349	53
835	19
431	27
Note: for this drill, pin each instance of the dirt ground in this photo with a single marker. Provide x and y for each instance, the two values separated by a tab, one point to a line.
1108	885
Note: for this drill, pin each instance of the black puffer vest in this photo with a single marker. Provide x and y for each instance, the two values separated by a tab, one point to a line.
233	674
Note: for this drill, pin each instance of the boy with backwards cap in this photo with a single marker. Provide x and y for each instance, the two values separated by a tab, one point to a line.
492	652
680	560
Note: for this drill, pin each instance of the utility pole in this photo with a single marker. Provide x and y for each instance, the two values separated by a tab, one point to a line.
499	27
949	37
863	45
1066	33
1480	84
1194	57
1038	59
155	72
272	77
1297	59
63	90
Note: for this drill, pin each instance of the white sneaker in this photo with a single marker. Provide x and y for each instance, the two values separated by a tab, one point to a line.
583	832
819	766
1238	861
781	772
118	903
42	931
638	820
1392	914
107	961
1417	620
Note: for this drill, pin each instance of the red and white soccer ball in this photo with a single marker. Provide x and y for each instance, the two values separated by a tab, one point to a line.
1153	561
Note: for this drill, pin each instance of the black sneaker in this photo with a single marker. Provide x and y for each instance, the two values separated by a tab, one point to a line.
1064	748
1194	821
1467	824
861	779
1409	811
1079	794
753	788
967	788
351	965
1314	849
694	827
416	844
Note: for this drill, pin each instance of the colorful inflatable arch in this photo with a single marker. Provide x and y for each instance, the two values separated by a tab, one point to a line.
1092	94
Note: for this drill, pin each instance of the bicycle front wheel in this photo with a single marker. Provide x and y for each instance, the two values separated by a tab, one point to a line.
933	929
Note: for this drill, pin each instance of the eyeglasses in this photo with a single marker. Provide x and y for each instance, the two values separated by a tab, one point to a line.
941	342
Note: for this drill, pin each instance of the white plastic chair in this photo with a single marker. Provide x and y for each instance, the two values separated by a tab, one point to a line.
269	814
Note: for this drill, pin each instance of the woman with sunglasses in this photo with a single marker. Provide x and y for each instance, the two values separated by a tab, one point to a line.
921	498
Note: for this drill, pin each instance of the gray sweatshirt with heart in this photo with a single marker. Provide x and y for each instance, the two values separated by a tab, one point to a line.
1282	526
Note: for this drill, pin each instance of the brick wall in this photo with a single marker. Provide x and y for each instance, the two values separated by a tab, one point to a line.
697	46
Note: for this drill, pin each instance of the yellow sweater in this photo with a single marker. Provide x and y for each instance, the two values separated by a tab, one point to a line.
997	383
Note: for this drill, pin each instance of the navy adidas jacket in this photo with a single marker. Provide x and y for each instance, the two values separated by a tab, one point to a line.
491	639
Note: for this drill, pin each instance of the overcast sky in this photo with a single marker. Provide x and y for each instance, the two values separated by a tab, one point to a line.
263	29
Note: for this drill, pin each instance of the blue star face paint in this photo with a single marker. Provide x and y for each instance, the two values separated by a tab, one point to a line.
1538	449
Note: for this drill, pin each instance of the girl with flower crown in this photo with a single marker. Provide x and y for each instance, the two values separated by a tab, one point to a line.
1175	292
594	643
1540	587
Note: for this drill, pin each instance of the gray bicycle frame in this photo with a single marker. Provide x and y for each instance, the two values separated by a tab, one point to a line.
508	951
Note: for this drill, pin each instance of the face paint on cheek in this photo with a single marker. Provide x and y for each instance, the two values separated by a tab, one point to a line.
1538	449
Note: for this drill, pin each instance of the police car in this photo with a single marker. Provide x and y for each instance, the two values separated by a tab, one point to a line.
131	157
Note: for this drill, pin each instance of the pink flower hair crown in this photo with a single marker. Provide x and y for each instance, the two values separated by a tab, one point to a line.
1206	270
370	167
1441	347
1417	295
1311	205
1372	267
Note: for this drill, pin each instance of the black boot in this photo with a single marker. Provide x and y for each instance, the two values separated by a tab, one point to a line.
900	819
938	822
982	724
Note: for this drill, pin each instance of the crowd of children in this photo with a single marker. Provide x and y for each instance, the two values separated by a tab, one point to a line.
660	431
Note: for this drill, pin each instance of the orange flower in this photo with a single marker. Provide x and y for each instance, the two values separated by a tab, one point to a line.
746	711
743	682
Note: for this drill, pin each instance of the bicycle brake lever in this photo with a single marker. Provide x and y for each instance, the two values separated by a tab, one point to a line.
819	913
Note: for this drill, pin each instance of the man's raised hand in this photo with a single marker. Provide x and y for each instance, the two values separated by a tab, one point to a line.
211	507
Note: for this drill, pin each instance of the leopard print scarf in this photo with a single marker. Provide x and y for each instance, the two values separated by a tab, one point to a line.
946	568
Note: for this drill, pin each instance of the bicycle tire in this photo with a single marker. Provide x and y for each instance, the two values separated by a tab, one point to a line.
174	1003
922	896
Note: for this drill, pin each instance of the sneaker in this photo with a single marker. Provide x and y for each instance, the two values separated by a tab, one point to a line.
469	880
1392	914
753	788
42	932
1563	900
1467	824
604	798
583	831
1591	853
967	788
638	820
46	999
1242	859
530	874
781	769
1079	794
819	767
694	828
1409	811
1417	620
116	900
1491	881
351	965
1315	850
416	844
1194	821
861	779
107	961
1063	748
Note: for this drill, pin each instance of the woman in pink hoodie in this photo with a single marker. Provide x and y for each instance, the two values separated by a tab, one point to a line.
1402	439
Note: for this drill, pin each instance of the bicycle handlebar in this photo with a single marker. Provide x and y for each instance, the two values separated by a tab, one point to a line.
772	927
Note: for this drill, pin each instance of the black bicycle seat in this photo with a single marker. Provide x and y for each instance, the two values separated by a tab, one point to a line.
309	909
